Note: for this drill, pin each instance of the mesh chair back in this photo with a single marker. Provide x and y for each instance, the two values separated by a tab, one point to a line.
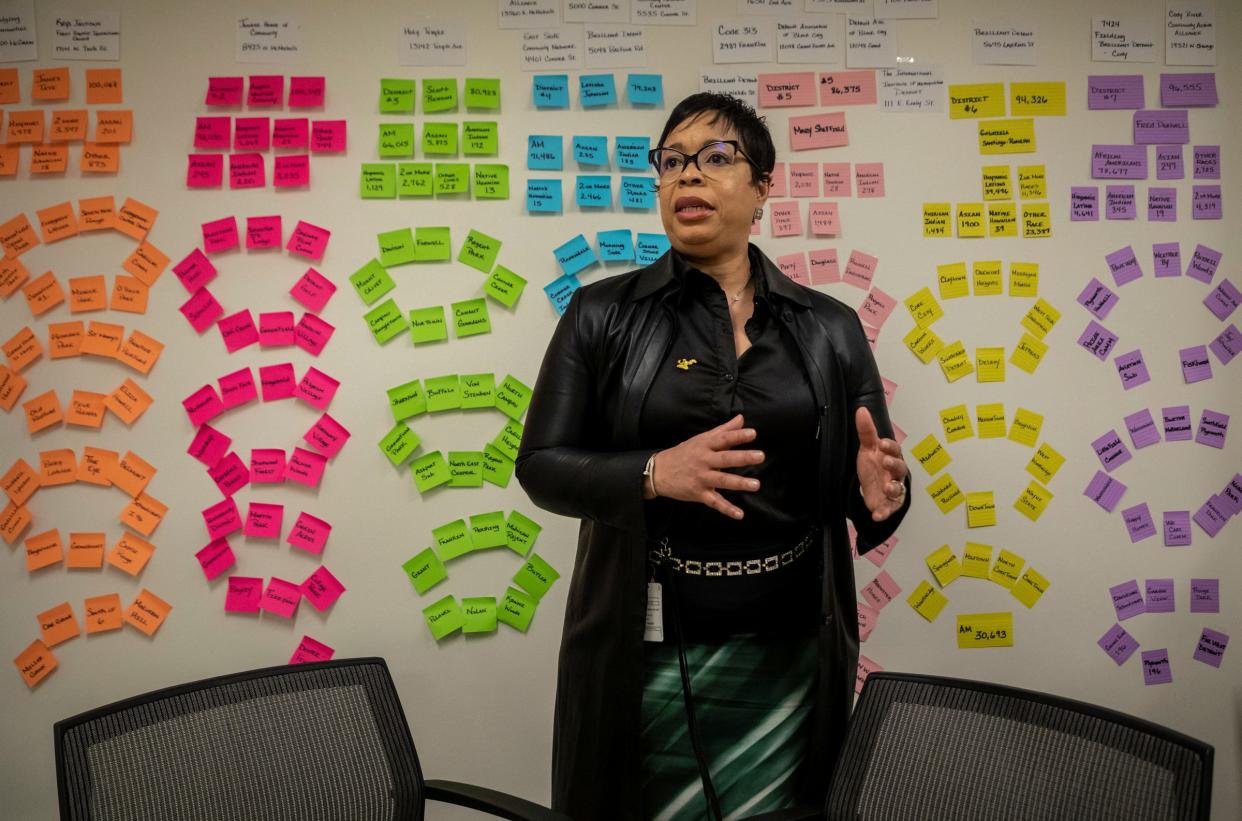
309	741
923	747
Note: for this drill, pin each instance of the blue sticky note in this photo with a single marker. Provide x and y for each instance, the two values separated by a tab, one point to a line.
638	192
543	196
560	290
645	89
615	245
594	191
550	91
591	150
545	152
595	90
649	248
575	255
632	153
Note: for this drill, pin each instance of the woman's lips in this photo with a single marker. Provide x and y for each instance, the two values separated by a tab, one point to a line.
691	208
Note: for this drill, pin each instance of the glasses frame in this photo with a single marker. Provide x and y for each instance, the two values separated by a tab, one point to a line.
694	158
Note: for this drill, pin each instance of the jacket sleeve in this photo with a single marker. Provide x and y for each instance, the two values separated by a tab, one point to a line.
559	464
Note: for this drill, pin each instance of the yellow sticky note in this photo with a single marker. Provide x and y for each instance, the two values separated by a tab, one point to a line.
1025	427
943	564
977	560
1006	568
984	630
980	509
1033	501
955	362
973	100
936	217
991	420
1007	136
1002	219
927	601
956	423
1030	587
987	278
923	343
1045	463
1040	319
1023	278
945	493
1032	182
931	455
996	185
989	364
953	280
923	307
1036	220
1029	353
970	220
1037	99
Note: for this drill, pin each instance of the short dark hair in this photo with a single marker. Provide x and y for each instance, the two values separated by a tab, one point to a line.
752	130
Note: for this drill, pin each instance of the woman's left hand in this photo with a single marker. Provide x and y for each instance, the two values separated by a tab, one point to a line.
881	470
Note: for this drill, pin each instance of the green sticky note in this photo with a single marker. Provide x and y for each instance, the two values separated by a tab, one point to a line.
399	444
415	179
536	576
428	324
452	539
429	471
425	571
433	244
444	617
509	439
465	468
386	321
407	400
516	609
504	286
512	397
378	181
396	140
440	139
443	393
488	530
396	96
439	95
479	251
478	390
470	318
491	182
482	92
479	138
497	468
452	178
521	533
396	247
371	281
480	614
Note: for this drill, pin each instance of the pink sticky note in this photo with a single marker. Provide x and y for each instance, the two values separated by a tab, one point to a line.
309	533
869	179
238	330
837	179
244	594
875	310
825	130
313	333
825	219
203	405
195	270
825	269
786	218
246	171
291	172
276	329
212	132
865	668
880	552
794	267
780	182
230	474
237	388
223	91
860	269
290	132
881	590
209	445
266	91
327	136
220	235
322	589
306	92
787	89
281	598
847	87
327	436
310	650
263	232
313	290
305	467
277	381
868	618
804	179
222	518
308	241
201	310
267	465
216	558
204	171
263	521
252	134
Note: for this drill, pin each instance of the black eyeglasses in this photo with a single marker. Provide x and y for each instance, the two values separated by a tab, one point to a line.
712	159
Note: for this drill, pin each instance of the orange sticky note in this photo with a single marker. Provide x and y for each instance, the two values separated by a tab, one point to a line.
64	339
103	339
88	294
12	385
140	352
17	236
103	86
13	275
144	514
49	158
131	554
95	466
128	401
86	550
44	550
35	663
43	293
13	520
102	613
10	158
68	126
146	263
147	612
114	126
100	158
58	222
96	213
25	127
58	624
42	412
57	467
49	84
85	409
132	474
20	482
129	295
22	349
135	219
10	88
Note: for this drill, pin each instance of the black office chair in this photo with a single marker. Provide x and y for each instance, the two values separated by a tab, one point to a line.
301	742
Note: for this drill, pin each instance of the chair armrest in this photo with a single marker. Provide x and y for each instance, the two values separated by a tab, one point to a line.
491	802
790	814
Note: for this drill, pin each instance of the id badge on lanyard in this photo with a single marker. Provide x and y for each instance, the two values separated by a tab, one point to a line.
654	628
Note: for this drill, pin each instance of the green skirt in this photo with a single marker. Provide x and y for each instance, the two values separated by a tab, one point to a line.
752	697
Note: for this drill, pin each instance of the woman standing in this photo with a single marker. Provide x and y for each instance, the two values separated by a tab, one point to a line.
712	423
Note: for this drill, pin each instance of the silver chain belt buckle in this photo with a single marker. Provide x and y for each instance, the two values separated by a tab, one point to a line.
663	554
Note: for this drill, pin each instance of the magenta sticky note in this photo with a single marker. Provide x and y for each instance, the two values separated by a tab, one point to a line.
220	235
1084	203
327	136
1176	528
804	179
1142	429
291	172
277	382
1119	202
1156	667
1118	162
1111	451
238	330
1097	298
868	618
859	270
209	445
195	270
230	474
1114	91
780	181
327	436
1195	364
1223	300
1138	522
308	241
276	329
1205	202
263	521
212	132
267	465
1213	426
876	308
787	90
1132	369
266	91
309	533
309	650
1210	517
794	267
1119	644
306	92
1161	205
786	218
1158	596
263	232
1124	265
313	290
1190	90
1203	263
1177	426
237	388
1207	162
312	333
837	179
246	171
1097	340
291	132
825	268
322	589
281	598
216	558
223	91
825	219
1127	600
203	405
204	171
881	590
1211	647
869	179
243	595
1205	595
1227	345
222	518
1169	162
305	467
814	131
252	134
1104	490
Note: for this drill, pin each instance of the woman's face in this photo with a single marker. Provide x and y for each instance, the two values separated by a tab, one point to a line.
708	215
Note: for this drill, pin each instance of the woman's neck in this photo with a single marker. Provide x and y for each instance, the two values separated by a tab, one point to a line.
731	271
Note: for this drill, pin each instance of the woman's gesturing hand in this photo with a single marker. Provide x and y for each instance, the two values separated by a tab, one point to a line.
693	471
881	470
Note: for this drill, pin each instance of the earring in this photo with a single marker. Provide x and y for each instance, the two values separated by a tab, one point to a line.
758	215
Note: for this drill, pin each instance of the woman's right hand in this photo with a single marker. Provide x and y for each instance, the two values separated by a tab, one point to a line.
693	470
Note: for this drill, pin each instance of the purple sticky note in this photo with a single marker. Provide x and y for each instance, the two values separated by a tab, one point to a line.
1097	298
1166	257
1195	364
1132	369
1104	490
1118	162
1177	427
1119	644
1207	162
1127	600
1227	345
1210	517
1154	127
1142	429
1162	205
1098	340
1169	163
1111	451
1203	263
1123	264
1114	91
1158	596
1176	528
1119	203
1212	429
1205	595
1192	90
1211	647
1205	201
1139	523
1156	667
1084	203
1223	300
1230	496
